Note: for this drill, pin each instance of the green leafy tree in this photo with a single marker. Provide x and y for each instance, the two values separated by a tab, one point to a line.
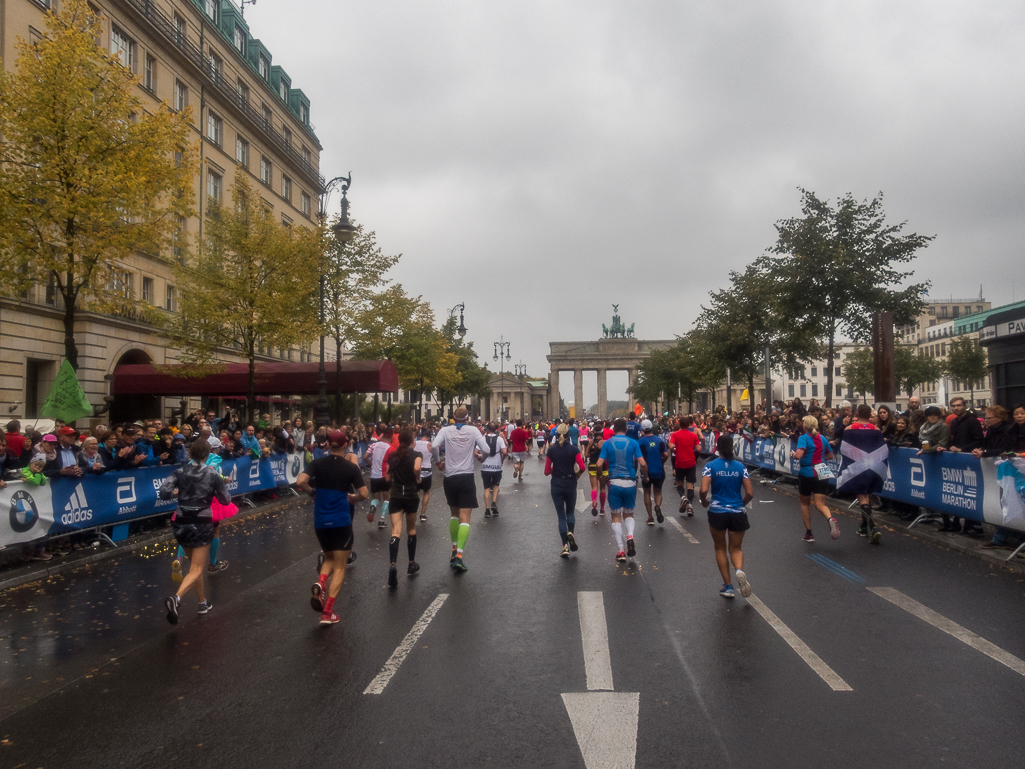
88	173
354	274
967	363
253	284
859	369
837	265
914	370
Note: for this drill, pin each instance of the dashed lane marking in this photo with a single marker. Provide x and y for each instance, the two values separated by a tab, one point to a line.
683	531
950	627
391	667
814	661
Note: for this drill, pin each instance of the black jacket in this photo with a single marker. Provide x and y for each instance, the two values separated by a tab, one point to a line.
53	467
966	432
999	440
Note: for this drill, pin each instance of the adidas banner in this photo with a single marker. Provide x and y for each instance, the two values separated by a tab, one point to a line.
987	490
65	504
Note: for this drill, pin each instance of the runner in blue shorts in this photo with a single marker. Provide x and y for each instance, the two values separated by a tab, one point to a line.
622	456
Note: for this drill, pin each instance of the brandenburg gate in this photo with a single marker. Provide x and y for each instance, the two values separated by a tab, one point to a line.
618	350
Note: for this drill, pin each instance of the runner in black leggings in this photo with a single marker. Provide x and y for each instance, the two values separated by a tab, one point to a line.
565	464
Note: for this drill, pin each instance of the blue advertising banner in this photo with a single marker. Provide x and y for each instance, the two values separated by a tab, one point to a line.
64	505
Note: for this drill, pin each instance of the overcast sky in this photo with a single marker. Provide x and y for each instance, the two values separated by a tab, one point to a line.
540	161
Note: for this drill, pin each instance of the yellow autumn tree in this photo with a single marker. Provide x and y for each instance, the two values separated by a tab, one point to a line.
88	173
253	283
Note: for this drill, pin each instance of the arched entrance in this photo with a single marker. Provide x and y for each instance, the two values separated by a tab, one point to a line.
128	408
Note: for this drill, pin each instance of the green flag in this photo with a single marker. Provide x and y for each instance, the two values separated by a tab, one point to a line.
66	400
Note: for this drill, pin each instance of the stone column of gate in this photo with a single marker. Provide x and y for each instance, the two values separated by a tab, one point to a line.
631	374
553	394
578	393
603	394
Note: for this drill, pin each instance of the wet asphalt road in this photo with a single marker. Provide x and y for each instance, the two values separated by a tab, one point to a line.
93	676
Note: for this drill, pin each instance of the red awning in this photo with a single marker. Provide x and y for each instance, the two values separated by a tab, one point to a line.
363	376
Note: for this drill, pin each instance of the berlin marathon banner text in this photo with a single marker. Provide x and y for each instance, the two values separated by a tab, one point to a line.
64	505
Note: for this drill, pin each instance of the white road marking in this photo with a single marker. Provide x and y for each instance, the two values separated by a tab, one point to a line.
391	667
950	627
604	722
815	662
683	531
595	635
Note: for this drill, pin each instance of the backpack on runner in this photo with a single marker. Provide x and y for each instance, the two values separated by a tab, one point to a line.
492	441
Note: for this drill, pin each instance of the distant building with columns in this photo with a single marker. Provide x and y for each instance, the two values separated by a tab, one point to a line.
601	356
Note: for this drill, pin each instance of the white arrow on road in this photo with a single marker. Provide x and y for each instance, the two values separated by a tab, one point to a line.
604	721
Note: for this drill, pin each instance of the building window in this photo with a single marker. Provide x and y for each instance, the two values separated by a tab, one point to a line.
181	96
240	39
122	284
179	30
216	65
213	186
306	203
266	172
266	118
147	290
304	114
790	390
211	9
804	390
242	151
839	389
307	158
170	299
264	67
814	370
214	128
836	371
243	91
149	81
283	90
286	134
814	390
286	188
286	222
123	47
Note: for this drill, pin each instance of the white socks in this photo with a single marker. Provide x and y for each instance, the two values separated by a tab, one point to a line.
630	523
617	532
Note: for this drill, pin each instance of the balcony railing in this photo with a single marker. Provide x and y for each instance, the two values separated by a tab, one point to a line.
194	53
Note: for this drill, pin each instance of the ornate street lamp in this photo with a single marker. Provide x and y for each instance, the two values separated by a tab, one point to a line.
500	347
343	231
461	330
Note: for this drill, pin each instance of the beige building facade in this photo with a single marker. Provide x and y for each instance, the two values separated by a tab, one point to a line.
247	118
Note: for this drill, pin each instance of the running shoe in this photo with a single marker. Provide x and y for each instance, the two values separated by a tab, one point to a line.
808	537
423	518
690	510
381	523
176	571
459	564
630	549
370	516
320	560
683	506
863	531
487	512
317	598
205	607
494	511
172	609
393	576
572	542
602	513
412	569
514	475
329	619
213	568
348	561
650	521
658	514
742	582
834	528
726	591
565	551
455	552
594	510
877	536
620	556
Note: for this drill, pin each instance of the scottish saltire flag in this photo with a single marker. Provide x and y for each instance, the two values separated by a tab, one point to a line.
863	458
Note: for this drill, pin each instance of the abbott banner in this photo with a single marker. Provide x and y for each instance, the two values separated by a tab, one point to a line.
65	505
988	490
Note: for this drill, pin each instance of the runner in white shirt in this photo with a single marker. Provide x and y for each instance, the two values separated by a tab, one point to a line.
423	445
459	440
380	488
491	468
